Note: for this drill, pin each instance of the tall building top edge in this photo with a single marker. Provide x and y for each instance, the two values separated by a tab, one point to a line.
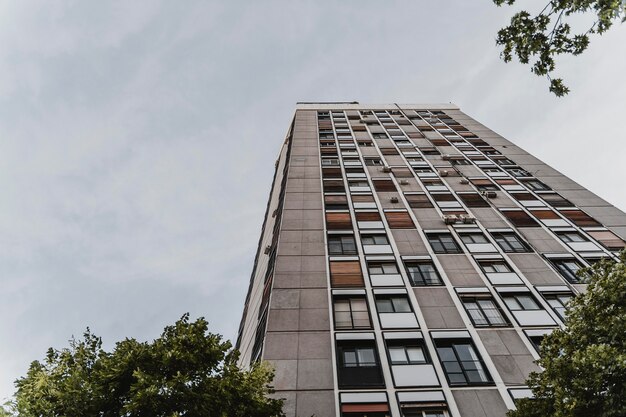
353	105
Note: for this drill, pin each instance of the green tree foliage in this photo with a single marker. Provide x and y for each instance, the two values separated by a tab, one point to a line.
548	34
185	372
584	364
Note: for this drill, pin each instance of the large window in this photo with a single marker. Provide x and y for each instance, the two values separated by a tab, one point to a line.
494	266
406	352
568	268
382	268
393	304
558	302
358	364
510	242
423	273
374	239
417	412
443	243
351	313
461	363
341	245
520	302
483	311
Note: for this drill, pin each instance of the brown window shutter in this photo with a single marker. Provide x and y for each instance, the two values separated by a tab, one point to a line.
481	181
363	198
608	239
439	142
335	199
545	214
367	216
335	186
346	274
389	151
365	408
328	151
473	200
401	172
336	221
331	172
399	220
384	185
580	218
519	218
418	200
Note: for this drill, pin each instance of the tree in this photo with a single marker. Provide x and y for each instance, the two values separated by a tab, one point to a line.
584	364
548	34
185	372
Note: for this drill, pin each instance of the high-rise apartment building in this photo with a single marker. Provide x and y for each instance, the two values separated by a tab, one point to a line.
410	262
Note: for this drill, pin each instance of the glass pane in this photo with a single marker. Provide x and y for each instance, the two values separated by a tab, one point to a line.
358	304
465	352
415	354
375	269
527	302
512	303
401	305
342	305
446	353
501	267
349	358
361	320
390	269
380	240
343	320
384	306
397	355
366	357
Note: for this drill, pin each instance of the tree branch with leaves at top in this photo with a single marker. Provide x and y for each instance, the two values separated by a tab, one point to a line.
544	36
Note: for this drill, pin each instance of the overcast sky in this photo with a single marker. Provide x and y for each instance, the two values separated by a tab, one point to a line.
138	139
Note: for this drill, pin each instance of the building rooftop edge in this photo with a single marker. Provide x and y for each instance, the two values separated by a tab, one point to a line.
355	105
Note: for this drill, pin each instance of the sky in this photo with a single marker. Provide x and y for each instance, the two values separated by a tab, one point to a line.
138	140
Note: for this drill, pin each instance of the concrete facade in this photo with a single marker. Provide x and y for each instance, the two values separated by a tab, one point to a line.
410	261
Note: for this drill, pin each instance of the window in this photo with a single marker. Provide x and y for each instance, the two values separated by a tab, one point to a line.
461	363
338	221
336	202
346	274
393	304
381	268
460	161
510	242
357	185
418	200
473	200
443	243
341	245
374	240
555	200
384	185
406	352
536	341
494	266
358	364
483	311
421	412
483	184
608	239
373	161
518	172
423	273
446	200
399	220
473	238
568	268
503	161
535	185
519	218
520	302
558	302
351	313
580	218
571	237
330	162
